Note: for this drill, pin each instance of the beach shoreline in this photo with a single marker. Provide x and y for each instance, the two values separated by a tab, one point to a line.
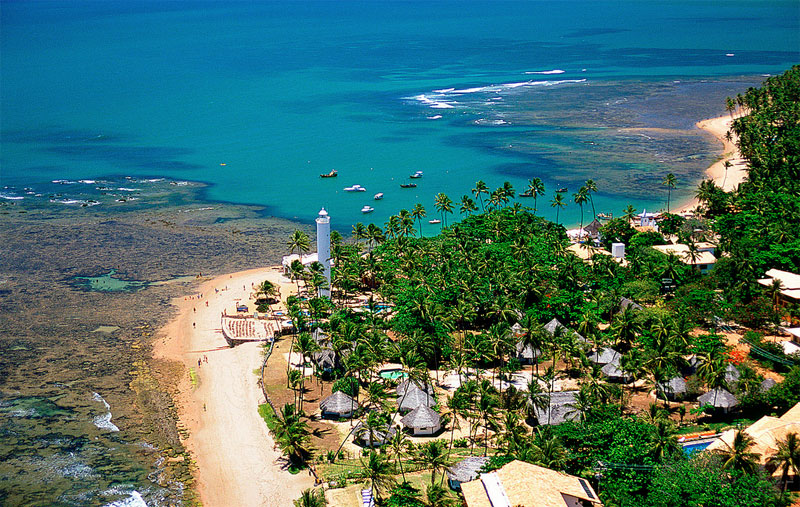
237	460
736	174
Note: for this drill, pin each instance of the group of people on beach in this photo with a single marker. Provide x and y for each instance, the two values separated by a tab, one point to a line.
201	360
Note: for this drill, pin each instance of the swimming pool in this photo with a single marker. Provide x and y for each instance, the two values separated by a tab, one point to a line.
696	447
393	374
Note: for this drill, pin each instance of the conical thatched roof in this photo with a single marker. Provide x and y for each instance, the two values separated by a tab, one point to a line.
718	398
467	469
338	403
325	359
675	385
414	398
559	410
421	417
413	384
625	303
732	374
613	371
604	356
379	437
593	229
554	325
527	352
767	384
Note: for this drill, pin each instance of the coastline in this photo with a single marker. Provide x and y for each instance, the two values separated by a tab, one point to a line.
237	461
736	174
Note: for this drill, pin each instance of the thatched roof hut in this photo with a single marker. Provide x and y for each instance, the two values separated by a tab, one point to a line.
672	388
767	384
614	373
413	384
625	303
338	404
559	410
732	374
718	398
325	359
414	398
379	437
526	354
465	470
604	356
423	420
555	325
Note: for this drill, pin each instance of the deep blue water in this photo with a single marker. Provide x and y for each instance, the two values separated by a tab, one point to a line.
280	92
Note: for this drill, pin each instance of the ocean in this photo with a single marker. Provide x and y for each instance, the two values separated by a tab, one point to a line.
102	100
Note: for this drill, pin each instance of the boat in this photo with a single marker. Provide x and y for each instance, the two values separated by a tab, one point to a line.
367	209
408	185
561	190
331	174
416	175
379	196
526	194
434	221
355	188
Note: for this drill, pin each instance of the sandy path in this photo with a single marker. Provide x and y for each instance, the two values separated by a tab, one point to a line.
237	463
736	173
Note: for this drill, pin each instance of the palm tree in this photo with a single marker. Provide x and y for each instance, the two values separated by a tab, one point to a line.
580	199
727	165
359	231
399	443
548	450
299	241
444	205
535	189
292	435
419	213
479	190
434	456
558	203
379	471
467	205
669	181
786	458
438	496
311	498
664	441
629	213
591	188
738	457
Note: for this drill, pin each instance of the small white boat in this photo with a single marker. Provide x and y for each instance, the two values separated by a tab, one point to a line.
367	209
434	221
416	175
379	196
355	188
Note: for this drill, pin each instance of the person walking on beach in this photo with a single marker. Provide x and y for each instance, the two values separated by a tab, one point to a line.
199	362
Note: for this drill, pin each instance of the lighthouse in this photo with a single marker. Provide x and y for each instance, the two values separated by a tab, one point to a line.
324	248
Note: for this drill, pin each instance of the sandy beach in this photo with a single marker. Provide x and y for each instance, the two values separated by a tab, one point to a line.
237	461
737	173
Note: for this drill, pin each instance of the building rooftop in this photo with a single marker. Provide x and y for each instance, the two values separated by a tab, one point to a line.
467	469
559	410
338	403
766	433
421	417
682	252
521	483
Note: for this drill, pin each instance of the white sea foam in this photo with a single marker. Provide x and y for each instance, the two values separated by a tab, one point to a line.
554	71
65	182
67	201
11	197
88	182
154	180
134	500
435	117
125	189
104	421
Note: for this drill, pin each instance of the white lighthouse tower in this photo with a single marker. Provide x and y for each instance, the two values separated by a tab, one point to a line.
324	248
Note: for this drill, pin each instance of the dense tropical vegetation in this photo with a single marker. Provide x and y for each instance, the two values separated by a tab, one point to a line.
470	299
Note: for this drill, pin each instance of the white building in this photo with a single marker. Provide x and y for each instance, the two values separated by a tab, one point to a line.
324	248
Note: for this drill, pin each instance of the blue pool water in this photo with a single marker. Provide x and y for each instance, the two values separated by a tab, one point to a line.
696	447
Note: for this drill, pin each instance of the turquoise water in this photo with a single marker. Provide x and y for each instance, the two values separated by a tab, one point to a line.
690	449
280	92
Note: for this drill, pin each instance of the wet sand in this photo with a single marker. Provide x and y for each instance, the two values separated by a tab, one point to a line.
238	463
737	173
